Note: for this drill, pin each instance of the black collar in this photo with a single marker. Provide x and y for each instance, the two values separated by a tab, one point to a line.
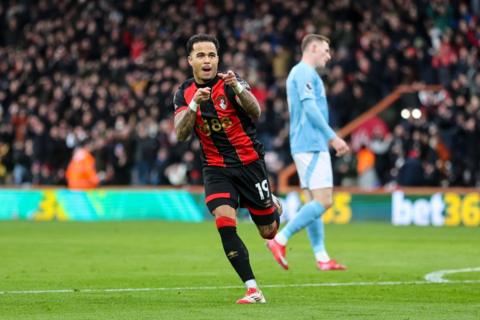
209	83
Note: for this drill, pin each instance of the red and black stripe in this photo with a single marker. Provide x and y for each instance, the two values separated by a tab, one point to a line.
250	144
218	138
232	145
236	134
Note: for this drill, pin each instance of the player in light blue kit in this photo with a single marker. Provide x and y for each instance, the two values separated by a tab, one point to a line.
310	138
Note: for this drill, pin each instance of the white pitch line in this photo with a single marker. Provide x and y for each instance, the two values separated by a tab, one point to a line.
437	276
294	285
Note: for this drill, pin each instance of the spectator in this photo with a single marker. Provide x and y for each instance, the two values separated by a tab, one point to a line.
367	177
80	172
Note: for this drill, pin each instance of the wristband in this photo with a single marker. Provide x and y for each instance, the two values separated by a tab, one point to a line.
238	88
193	105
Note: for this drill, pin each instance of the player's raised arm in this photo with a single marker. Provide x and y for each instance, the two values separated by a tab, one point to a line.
245	98
185	119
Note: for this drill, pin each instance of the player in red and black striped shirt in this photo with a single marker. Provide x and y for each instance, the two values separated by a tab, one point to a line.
221	110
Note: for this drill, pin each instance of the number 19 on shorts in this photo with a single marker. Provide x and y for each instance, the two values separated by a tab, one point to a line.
262	188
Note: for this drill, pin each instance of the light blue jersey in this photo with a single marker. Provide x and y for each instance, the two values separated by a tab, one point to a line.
308	107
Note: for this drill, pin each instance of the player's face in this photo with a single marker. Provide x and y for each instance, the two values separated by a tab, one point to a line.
321	51
204	61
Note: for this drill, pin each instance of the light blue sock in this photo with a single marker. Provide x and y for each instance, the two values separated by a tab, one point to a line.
307	214
316	235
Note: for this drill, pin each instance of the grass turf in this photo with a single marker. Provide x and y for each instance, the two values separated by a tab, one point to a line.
71	255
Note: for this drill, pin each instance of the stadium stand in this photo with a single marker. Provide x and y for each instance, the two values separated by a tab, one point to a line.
102	74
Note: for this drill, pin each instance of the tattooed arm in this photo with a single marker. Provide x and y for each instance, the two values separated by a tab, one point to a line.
244	97
185	120
249	103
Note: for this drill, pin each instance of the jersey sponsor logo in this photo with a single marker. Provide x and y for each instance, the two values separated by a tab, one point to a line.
215	124
309	87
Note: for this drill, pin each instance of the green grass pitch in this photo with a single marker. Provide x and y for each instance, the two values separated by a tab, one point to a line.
190	278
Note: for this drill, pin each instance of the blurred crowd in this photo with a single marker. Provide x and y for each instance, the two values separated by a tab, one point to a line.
100	76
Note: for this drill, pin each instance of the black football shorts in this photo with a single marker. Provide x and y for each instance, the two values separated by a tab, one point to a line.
244	186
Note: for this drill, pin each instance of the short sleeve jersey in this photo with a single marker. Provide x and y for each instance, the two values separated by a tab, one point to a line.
227	133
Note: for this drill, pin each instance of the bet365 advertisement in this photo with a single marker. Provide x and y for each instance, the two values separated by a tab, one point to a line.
434	209
438	209
399	208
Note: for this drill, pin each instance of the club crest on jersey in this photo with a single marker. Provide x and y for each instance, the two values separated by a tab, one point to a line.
222	102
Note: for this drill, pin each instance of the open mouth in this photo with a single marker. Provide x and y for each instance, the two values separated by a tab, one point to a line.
206	68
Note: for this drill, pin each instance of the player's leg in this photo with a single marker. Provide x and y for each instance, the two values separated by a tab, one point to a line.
316	232
314	170
268	226
266	220
255	195
222	200
237	253
310	212
235	250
